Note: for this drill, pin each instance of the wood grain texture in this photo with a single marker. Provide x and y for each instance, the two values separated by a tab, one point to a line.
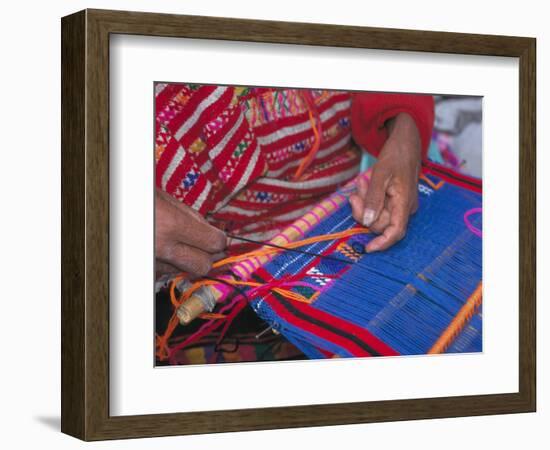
85	224
527	224
73	225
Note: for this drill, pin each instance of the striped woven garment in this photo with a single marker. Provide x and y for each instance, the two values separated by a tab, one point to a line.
421	296
239	155
230	153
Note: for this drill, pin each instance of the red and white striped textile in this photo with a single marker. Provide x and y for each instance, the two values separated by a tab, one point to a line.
232	153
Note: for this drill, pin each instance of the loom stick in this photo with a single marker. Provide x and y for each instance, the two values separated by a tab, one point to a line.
457	324
205	299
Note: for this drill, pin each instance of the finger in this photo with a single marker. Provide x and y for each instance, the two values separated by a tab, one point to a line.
191	228
375	196
382	222
218	256
391	235
414	202
163	268
396	230
356	200
187	259
357	207
362	187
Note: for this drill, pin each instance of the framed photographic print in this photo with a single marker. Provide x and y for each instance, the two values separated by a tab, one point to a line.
270	224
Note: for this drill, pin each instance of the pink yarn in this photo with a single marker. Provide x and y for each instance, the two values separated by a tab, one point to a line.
470	227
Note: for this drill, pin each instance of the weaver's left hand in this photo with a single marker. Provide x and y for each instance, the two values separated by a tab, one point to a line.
385	204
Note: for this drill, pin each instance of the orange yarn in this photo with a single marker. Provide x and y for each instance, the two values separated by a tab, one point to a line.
212	316
316	127
431	183
264	251
162	341
457	324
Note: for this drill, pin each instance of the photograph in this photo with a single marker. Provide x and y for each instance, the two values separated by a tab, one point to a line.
272	224
312	223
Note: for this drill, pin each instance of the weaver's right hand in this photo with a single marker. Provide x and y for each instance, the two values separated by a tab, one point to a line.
386	203
184	241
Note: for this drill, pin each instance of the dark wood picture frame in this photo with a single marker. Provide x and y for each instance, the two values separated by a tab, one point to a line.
85	224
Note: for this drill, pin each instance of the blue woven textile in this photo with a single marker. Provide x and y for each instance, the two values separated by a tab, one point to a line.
405	296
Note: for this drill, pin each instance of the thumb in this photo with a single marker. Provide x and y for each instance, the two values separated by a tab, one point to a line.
375	197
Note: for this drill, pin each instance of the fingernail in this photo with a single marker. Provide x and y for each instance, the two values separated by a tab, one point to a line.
368	217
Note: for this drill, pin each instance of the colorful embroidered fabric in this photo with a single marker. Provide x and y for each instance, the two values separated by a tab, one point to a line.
398	301
330	299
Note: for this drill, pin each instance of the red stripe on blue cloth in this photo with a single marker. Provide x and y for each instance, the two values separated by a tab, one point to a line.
326	326
453	177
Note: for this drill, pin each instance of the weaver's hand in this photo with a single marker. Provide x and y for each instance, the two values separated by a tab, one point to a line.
184	241
392	194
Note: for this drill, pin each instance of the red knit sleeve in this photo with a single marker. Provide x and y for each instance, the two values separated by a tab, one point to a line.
370	111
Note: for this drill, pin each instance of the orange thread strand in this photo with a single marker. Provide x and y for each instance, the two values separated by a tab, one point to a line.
306	161
457	324
291	295
271	250
431	183
316	127
162	340
212	316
